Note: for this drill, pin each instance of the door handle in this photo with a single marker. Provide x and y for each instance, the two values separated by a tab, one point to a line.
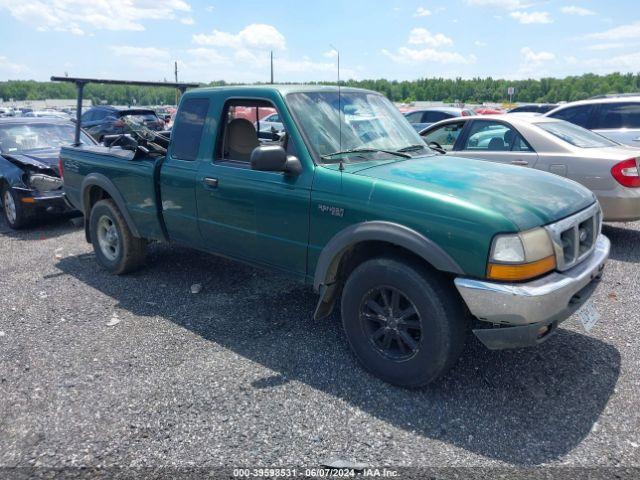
210	182
522	163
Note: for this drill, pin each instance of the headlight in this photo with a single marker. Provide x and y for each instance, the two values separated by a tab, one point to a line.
44	183
521	256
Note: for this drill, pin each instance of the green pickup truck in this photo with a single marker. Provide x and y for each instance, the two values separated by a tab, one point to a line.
418	248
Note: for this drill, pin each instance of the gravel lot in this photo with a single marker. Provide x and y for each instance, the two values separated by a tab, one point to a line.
97	370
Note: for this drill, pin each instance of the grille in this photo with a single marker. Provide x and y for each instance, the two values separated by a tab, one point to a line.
574	238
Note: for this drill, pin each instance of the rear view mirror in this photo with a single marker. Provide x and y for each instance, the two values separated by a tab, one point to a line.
273	158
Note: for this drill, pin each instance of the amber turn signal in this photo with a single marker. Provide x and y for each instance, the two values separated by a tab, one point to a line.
522	271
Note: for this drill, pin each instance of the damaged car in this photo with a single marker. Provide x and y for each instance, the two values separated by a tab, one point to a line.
29	176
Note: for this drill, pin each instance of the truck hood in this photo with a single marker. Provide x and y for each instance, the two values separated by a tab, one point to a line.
527	198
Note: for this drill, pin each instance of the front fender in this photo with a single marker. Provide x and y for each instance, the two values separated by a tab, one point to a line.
11	174
327	267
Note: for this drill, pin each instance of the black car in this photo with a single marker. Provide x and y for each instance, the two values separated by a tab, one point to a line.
534	108
30	180
109	120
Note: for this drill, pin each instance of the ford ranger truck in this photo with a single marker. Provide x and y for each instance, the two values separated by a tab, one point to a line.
417	248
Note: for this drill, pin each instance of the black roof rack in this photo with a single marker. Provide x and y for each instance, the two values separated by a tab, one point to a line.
81	82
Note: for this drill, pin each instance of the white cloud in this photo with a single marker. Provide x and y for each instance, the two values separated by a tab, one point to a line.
210	8
422	12
532	65
8	67
623	32
244	57
75	16
621	63
422	36
531	17
574	10
431	50
479	43
187	21
146	52
606	46
254	36
501	4
207	56
144	57
536	57
410	56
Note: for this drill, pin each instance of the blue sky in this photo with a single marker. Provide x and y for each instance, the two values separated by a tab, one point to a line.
394	39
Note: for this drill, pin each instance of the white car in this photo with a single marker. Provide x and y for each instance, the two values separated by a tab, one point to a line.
270	123
616	117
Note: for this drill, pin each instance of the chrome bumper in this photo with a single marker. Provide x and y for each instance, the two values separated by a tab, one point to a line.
550	299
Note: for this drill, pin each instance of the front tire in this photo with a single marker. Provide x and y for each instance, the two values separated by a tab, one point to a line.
116	248
404	323
12	209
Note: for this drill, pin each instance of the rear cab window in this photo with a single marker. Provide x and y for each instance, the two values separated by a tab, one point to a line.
187	130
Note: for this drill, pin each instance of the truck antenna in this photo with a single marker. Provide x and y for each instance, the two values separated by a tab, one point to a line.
339	106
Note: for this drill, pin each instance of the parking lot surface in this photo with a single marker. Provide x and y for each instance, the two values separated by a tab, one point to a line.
98	370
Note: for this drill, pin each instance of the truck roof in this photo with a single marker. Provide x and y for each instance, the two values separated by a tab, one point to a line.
282	89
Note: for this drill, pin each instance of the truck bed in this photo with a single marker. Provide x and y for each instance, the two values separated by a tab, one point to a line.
134	181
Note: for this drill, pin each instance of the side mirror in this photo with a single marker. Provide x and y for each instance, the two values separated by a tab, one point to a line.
273	158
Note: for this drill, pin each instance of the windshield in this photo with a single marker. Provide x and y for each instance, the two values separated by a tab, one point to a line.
21	137
370	127
575	135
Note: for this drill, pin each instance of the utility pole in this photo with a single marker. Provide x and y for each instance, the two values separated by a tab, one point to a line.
176	77
271	67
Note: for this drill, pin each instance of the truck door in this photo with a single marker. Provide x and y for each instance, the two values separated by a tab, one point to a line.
261	217
178	173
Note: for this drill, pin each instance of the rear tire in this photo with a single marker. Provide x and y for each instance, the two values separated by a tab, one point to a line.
12	210
116	248
410	335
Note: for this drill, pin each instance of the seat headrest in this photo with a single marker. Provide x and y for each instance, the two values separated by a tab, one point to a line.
496	143
241	136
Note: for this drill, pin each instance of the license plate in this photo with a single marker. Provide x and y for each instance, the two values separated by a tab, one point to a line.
588	316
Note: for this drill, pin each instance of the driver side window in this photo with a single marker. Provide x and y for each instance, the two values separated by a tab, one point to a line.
445	136
245	129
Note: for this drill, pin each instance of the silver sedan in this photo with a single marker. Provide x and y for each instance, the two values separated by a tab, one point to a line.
610	170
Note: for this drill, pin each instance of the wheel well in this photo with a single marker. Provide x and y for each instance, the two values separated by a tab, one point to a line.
350	258
363	251
92	195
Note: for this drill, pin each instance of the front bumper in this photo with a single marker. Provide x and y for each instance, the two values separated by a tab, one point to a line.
50	202
521	312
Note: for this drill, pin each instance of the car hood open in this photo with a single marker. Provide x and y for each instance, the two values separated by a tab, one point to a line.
45	159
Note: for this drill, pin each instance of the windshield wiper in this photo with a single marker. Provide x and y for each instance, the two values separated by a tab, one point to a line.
412	148
364	150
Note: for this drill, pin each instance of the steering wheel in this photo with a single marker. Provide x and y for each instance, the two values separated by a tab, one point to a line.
437	147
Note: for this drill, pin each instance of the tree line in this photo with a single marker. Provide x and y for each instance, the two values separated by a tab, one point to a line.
475	90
